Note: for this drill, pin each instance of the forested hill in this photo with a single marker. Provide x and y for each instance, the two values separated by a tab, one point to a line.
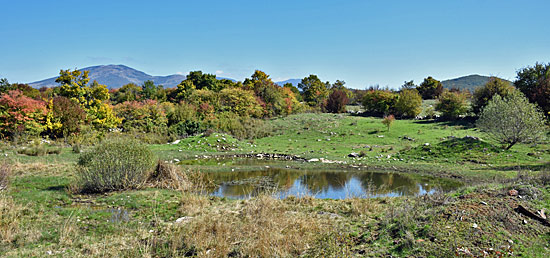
115	76
469	82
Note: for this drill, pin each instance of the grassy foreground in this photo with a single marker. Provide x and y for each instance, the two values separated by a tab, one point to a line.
40	216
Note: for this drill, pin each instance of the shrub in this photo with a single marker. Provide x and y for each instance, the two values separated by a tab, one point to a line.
512	120
146	116
482	95
115	164
242	102
186	128
379	102
20	114
337	102
388	121
451	105
408	103
64	117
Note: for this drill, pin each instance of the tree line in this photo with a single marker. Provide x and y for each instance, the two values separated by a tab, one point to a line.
203	102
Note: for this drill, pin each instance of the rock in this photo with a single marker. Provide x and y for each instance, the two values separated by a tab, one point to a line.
541	214
408	138
330	214
353	155
513	192
183	219
471	138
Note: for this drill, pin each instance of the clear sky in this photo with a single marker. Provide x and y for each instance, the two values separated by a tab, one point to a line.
361	42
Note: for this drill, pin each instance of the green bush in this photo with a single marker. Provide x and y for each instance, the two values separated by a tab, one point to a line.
379	102
186	128
452	105
483	95
408	103
115	164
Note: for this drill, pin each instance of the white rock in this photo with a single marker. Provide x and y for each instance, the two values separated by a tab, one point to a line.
183	219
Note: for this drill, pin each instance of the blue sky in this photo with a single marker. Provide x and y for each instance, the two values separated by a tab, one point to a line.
361	42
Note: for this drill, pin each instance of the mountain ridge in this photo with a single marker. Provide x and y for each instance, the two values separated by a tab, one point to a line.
469	82
115	76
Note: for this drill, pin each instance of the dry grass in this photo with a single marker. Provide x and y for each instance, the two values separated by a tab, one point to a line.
10	214
5	172
259	227
170	176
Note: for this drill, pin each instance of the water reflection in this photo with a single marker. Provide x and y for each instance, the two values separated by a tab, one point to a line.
334	185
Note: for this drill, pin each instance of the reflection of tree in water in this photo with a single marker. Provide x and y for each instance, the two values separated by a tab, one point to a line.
243	183
385	183
322	181
254	182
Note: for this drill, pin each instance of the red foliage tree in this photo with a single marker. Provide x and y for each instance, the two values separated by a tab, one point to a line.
19	113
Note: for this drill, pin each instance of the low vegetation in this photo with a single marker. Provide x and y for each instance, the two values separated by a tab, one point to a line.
115	164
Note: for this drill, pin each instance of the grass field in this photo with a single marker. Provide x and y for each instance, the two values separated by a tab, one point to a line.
40	216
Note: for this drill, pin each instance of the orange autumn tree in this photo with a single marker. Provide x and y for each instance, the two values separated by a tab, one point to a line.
21	114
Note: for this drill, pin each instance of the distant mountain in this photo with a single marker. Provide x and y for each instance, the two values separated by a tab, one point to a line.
115	76
469	82
292	81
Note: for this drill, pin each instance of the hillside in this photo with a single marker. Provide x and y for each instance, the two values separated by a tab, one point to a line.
469	82
115	76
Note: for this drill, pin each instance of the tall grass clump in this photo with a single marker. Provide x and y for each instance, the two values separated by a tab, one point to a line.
115	164
5	171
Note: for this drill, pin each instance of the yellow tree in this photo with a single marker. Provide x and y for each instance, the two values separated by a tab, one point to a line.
74	85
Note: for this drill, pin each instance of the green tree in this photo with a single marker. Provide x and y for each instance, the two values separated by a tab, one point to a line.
482	95
91	98
512	120
534	82
4	85
379	102
128	92
204	81
151	91
240	101
408	85
451	105
408	103
430	88
315	92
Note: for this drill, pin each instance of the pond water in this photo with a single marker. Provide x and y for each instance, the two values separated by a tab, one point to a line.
324	184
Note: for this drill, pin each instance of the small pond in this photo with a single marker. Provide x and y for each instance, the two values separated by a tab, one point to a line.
324	184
